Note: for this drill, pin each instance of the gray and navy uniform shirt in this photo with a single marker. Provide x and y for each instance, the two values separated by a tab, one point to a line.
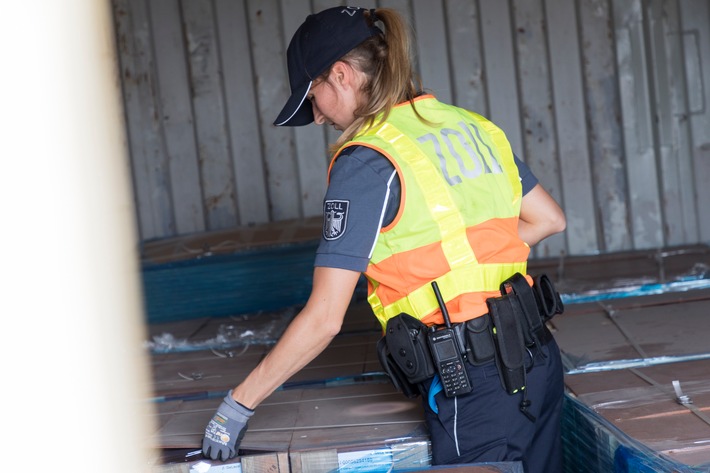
362	197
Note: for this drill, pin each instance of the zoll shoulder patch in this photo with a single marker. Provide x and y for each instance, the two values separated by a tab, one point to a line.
335	218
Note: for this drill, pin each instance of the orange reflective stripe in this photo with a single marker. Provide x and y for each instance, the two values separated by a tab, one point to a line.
420	302
410	269
462	308
497	241
417	267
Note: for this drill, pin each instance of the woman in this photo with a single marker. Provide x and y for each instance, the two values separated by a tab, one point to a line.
419	192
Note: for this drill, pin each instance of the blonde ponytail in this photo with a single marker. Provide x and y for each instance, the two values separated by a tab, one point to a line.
386	61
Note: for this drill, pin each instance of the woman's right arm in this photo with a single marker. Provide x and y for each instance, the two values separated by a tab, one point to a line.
540	216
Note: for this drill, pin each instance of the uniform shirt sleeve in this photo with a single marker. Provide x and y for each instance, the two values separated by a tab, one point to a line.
527	178
362	197
353	209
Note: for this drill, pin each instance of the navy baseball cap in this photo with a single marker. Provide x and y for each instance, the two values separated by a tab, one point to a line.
319	42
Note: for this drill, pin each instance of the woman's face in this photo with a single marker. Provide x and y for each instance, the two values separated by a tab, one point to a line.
334	99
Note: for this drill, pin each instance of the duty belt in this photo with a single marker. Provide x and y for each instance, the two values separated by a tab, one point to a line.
515	322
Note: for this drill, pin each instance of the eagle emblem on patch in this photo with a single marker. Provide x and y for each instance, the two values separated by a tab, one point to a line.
335	218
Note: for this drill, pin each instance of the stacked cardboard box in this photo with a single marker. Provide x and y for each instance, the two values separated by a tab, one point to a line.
621	354
638	383
338	414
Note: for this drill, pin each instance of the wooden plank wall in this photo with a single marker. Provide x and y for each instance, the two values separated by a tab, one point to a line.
606	100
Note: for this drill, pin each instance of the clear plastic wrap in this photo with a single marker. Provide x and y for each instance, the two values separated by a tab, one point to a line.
400	455
593	444
621	413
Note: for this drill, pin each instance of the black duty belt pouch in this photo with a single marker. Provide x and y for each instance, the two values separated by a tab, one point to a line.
547	297
505	312
407	342
479	340
399	380
533	328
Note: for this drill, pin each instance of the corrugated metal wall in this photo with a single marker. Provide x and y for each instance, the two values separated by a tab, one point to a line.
606	100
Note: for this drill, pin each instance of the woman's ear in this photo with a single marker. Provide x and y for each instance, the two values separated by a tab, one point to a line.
341	73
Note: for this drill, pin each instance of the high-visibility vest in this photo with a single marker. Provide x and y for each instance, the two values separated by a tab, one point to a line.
458	217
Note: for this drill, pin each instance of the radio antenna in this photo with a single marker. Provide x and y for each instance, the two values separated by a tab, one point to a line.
442	306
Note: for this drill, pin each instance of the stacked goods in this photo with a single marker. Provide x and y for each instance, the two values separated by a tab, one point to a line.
632	338
638	386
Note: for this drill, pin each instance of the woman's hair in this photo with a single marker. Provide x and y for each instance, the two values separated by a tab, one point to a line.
386	63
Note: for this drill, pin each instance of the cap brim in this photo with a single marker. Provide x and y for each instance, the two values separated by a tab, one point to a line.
298	110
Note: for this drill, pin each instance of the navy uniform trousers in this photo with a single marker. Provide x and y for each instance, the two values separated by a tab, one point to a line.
487	425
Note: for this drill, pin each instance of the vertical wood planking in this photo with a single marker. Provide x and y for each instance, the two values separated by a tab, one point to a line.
606	144
176	116
540	145
210	118
577	92
465	52
240	103
682	138
404	7
499	69
695	19
311	147
430	36
568	92
645	208
272	91
678	197
151	178
312	151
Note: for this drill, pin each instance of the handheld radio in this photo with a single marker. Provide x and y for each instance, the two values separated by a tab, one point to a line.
446	352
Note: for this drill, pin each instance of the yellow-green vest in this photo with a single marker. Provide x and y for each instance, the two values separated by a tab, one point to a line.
458	218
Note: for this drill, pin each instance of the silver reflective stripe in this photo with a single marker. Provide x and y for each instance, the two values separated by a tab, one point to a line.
382	213
456	432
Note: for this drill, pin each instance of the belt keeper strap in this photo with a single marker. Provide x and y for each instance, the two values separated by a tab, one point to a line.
547	297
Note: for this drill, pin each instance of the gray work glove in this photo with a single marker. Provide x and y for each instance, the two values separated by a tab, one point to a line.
225	431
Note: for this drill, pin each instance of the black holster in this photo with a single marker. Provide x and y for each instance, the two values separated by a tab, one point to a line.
404	353
519	319
506	314
395	374
533	324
